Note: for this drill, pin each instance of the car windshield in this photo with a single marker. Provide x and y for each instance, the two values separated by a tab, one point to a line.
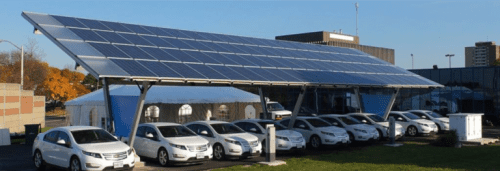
276	126
411	116
318	123
92	136
275	107
376	118
175	131
435	115
349	120
226	128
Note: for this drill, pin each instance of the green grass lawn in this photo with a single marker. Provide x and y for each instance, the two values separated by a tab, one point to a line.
411	156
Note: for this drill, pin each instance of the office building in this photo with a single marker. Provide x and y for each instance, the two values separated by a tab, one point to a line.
481	55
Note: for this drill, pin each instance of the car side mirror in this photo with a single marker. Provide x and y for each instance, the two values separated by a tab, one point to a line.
253	130
335	123
400	119
424	117
302	126
364	121
61	142
204	133
149	135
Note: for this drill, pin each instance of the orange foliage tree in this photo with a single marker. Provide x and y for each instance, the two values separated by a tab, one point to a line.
64	85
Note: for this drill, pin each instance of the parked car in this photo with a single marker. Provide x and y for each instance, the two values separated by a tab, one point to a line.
81	148
285	139
357	131
226	139
171	143
379	123
276	111
413	124
317	131
443	123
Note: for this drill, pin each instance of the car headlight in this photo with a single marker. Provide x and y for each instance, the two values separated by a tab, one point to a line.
178	146
96	155
233	142
423	124
328	133
360	130
282	138
129	151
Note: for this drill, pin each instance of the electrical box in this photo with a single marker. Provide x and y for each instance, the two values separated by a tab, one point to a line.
4	137
467	125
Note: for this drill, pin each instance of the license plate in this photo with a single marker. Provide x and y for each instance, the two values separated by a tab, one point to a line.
299	146
118	164
200	156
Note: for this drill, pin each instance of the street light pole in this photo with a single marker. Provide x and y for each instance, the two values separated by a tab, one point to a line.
449	57
22	60
412	61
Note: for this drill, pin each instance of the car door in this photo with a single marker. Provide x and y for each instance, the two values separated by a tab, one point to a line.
139	140
198	128
254	129
48	151
152	144
400	120
303	128
362	119
62	152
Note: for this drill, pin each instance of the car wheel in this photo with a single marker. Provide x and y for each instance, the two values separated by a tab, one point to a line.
412	131
439	128
38	160
163	157
219	152
75	164
380	135
315	142
351	137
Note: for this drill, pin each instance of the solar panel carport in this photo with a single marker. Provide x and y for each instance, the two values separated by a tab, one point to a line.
150	55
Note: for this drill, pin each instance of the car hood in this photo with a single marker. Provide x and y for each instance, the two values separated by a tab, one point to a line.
386	124
192	140
424	121
332	129
444	119
282	112
108	147
240	137
288	133
363	127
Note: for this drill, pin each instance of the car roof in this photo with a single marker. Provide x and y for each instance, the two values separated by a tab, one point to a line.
208	122
399	112
419	111
160	124
76	128
333	115
254	120
360	114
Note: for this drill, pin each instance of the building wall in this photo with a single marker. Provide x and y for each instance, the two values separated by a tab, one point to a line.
20	107
482	54
469	56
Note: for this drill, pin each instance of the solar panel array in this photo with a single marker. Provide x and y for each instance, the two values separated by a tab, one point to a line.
112	49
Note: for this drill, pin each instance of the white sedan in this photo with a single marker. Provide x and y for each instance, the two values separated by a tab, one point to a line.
227	140
171	143
413	124
285	139
443	123
357	131
317	131
379	123
81	148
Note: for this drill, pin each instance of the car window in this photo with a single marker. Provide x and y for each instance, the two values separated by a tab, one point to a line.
397	117
51	136
242	125
420	115
435	115
361	118
197	128
411	116
333	121
316	122
226	128
299	123
92	136
251	126
276	126
175	131
376	118
140	132
149	130
275	107
63	136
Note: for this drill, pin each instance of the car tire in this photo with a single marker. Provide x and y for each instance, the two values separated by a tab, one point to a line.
315	142
74	164
380	135
162	157
412	131
439	129
351	137
38	160
219	152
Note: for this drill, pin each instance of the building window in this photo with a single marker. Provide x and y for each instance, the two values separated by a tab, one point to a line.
223	113
152	114
208	115
185	113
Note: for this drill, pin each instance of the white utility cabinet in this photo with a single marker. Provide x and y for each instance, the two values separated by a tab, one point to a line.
467	125
4	137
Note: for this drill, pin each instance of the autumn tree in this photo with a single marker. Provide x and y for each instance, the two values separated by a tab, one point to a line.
64	85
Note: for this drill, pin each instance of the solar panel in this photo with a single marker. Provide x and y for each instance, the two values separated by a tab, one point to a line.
112	49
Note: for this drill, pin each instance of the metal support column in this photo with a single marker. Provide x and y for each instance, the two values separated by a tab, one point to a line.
358	98
297	107
138	111
391	103
316	99
263	103
107	105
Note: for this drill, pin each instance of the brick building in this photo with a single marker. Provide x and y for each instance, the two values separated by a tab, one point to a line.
482	54
19	107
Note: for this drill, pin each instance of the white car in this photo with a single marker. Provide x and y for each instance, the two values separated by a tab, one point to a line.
285	139
171	143
413	124
379	123
227	140
81	148
443	123
357	131
277	111
317	131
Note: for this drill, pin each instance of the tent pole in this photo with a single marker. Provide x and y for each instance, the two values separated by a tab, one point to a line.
137	117
107	105
263	103
391	103
297	107
358	97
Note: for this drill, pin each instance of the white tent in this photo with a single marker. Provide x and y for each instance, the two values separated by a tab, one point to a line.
91	106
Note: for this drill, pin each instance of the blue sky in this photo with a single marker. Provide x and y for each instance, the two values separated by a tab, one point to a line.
428	29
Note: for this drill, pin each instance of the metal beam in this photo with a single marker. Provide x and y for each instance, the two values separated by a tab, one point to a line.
297	107
391	103
263	103
107	101
358	97
316	99
138	112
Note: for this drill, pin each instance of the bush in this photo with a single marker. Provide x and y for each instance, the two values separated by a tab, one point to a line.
447	140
